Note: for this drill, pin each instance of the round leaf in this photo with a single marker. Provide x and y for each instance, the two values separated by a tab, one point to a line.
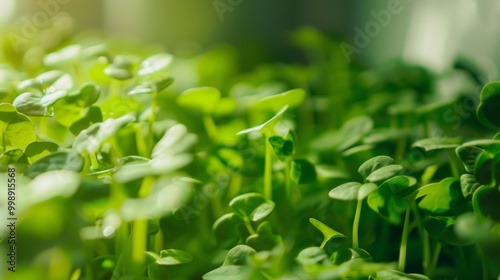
352	191
252	206
202	99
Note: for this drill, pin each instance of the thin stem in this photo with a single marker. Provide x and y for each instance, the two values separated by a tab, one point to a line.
249	227
94	164
435	258
288	182
152	119
142	147
268	169
235	184
404	240
483	262
210	127
424	235
453	165
355	225
139	233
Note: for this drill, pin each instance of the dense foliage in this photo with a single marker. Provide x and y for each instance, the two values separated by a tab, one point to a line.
135	164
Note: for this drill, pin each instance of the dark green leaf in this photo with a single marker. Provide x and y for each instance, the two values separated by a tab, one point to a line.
445	199
384	173
238	255
312	255
226	230
302	171
373	164
432	144
346	254
56	161
468	155
469	185
487	111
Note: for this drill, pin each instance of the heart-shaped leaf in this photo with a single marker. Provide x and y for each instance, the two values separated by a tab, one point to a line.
65	56
302	171
485	202
311	256
226	230
389	199
252	206
151	87
264	239
468	155
239	255
283	148
373	164
352	191
469	185
29	103
17	129
445	199
153	64
384	173
487	111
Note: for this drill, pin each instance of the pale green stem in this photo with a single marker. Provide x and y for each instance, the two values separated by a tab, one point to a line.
93	162
210	127
404	240
268	165
355	224
248	225
152	120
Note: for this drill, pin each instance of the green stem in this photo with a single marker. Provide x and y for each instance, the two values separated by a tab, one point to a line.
453	164
142	147
404	240
210	127
94	164
435	258
248	225
355	225
234	185
114	88
268	169
152	119
424	235
288	182
139	234
78	73
483	262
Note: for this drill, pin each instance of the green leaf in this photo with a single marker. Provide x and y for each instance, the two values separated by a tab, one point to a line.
328	233
238	255
65	56
445	199
16	129
432	144
56	161
153	64
121	68
292	98
169	154
29	103
487	111
264	239
201	99
483	170
443	230
373	164
231	272
346	254
267	127
12	156
352	191
485	202
468	155
389	200
384	173
151	87
87	95
173	257
311	256
469	185
302	171
283	148
93	115
252	206
226	230
90	139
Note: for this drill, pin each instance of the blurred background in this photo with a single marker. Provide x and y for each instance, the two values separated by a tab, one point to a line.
430	33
